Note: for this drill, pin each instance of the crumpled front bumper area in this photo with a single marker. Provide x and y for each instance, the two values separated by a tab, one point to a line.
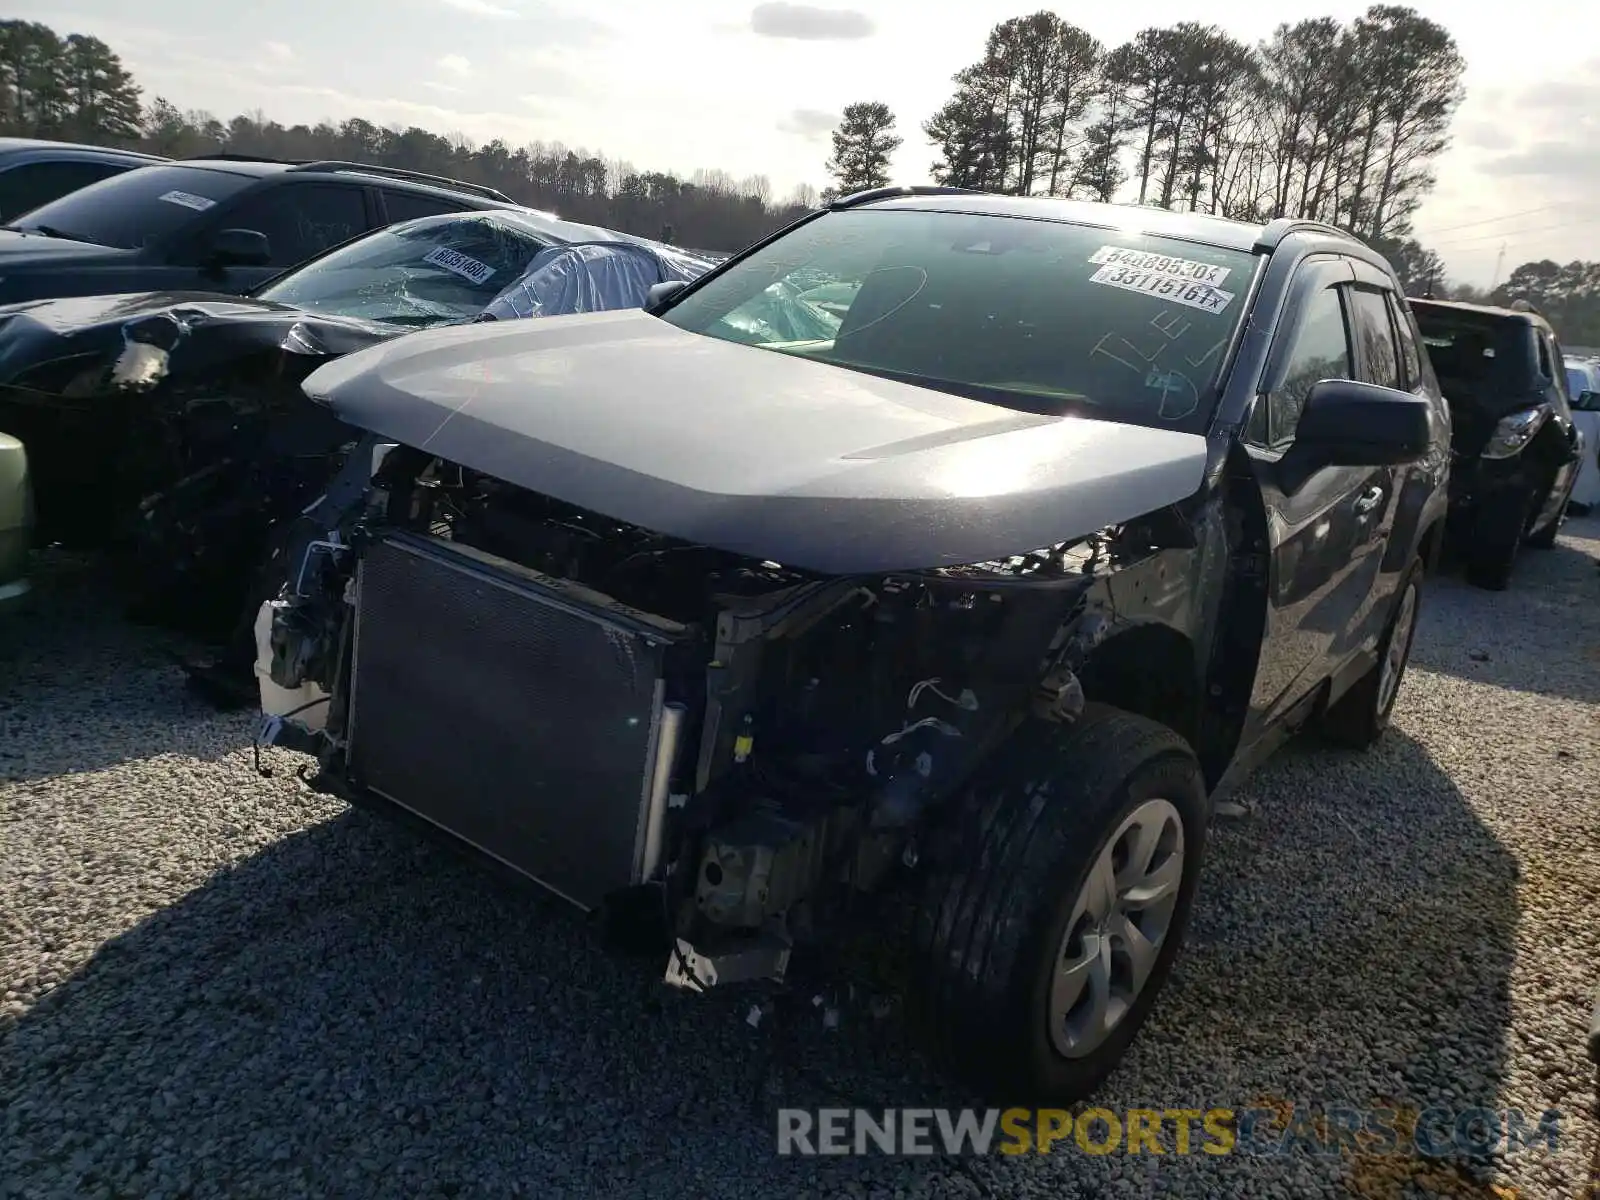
524	715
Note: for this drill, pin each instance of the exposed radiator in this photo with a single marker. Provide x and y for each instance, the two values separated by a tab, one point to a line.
520	713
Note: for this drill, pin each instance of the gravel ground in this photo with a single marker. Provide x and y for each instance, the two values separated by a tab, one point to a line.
215	984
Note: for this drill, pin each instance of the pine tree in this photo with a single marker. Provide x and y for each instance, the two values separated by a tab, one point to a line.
104	98
862	145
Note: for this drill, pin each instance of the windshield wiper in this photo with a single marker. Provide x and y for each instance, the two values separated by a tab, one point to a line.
50	231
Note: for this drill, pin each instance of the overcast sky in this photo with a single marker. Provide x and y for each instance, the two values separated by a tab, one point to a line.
755	88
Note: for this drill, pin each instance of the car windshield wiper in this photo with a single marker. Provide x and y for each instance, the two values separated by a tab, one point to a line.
50	231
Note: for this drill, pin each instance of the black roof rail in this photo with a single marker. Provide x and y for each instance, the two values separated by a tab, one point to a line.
889	193
225	156
439	181
1281	227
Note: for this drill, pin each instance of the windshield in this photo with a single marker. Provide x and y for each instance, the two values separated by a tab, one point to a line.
135	209
1480	358
1577	382
426	272
1034	315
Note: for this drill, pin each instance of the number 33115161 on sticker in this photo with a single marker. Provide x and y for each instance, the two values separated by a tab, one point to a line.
1203	296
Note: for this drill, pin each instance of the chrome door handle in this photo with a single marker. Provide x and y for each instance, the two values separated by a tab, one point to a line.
1369	499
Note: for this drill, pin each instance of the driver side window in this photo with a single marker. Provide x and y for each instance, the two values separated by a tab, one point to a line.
1321	350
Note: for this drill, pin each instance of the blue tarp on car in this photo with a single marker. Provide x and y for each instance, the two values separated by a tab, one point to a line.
591	277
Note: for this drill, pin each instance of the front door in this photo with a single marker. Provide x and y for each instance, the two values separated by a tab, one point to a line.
1324	530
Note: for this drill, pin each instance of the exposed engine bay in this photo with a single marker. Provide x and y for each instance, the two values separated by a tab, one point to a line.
628	718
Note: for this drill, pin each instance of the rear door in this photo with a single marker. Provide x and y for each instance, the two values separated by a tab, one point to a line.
300	219
1324	536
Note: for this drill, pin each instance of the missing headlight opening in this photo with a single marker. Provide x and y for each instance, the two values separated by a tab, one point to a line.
755	745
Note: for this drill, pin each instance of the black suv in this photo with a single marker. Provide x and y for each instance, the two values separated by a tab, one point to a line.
972	542
35	172
217	224
1516	448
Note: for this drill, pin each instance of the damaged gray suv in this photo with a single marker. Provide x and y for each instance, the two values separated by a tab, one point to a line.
965	544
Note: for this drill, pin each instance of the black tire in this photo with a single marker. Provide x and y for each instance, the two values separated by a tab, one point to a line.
1360	716
994	914
1496	539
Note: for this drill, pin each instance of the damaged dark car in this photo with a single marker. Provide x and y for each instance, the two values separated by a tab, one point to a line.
985	579
1517	450
173	428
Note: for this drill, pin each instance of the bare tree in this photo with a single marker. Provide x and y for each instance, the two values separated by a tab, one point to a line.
1412	69
803	196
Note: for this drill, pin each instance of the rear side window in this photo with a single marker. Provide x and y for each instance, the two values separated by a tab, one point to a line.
1545	367
1373	327
1321	351
407	206
301	220
26	187
1410	355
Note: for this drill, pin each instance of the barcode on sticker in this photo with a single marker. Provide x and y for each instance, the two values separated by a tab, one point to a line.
1203	296
1160	264
462	264
187	200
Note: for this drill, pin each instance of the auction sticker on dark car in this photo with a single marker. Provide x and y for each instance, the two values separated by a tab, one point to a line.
1164	287
188	200
1159	264
463	265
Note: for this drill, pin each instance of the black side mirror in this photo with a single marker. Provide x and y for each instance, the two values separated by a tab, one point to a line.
660	292
1587	402
240	248
1350	424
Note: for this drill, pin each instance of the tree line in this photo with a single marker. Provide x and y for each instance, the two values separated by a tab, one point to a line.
75	88
1567	294
1334	121
1326	120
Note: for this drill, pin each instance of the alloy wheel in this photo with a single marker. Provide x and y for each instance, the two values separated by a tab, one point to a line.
1119	923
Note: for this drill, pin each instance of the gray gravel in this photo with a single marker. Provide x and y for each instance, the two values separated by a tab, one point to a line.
215	984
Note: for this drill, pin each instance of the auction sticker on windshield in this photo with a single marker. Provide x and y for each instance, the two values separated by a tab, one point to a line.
1160	264
1203	296
188	200
462	264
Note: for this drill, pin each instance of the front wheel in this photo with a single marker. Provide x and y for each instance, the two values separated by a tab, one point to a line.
1047	932
1497	537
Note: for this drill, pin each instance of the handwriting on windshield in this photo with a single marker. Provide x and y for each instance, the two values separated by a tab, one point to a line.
1179	395
1114	346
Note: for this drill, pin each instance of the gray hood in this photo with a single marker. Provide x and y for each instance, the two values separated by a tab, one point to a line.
751	451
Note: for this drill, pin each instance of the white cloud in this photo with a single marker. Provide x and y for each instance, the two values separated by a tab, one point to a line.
482	8
456	64
811	123
281	51
805	22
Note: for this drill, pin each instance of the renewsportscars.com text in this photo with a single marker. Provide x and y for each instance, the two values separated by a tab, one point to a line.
1431	1133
